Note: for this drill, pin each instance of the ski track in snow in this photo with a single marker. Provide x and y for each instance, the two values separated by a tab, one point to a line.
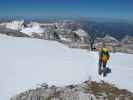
26	62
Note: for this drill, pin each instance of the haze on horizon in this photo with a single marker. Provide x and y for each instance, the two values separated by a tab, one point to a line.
119	9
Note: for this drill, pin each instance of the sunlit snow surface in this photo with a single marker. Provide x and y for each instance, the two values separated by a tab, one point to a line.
26	62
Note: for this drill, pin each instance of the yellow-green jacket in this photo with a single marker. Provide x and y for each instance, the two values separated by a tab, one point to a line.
104	55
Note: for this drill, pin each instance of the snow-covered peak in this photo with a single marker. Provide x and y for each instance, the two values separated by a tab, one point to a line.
81	33
33	24
108	37
33	27
15	25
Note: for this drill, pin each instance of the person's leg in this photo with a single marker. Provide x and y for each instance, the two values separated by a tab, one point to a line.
104	68
104	64
99	68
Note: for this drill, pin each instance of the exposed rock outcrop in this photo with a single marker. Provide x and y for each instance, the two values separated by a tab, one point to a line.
89	90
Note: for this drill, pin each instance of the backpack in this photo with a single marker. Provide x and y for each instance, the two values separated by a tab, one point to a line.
104	56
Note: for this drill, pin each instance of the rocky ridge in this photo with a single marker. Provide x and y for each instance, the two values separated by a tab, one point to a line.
88	90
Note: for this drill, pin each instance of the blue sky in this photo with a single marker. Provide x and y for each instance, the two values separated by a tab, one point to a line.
122	9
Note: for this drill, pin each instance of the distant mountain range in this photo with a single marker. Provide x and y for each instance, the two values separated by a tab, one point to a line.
94	26
117	29
75	33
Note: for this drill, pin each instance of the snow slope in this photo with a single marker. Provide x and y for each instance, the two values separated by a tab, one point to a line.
27	62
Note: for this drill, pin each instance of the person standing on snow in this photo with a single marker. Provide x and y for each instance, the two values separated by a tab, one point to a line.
103	58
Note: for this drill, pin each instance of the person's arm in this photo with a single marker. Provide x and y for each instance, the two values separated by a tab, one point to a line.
100	54
108	55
